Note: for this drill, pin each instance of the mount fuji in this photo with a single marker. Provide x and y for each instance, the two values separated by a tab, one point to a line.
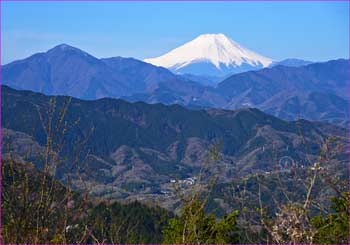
211	55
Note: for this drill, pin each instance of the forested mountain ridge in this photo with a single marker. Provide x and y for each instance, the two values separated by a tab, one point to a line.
138	148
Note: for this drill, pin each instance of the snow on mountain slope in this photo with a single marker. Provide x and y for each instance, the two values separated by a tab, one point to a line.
211	54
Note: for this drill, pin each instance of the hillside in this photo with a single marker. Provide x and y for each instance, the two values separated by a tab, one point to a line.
69	217
138	148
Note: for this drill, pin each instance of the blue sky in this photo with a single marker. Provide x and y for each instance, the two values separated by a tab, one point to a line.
309	30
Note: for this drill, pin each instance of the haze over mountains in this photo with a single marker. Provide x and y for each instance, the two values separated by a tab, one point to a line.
289	91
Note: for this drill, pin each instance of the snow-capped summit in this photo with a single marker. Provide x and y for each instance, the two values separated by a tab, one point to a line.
211	54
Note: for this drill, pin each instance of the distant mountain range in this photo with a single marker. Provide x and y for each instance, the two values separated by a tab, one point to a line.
135	149
67	70
211	55
317	91
291	63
